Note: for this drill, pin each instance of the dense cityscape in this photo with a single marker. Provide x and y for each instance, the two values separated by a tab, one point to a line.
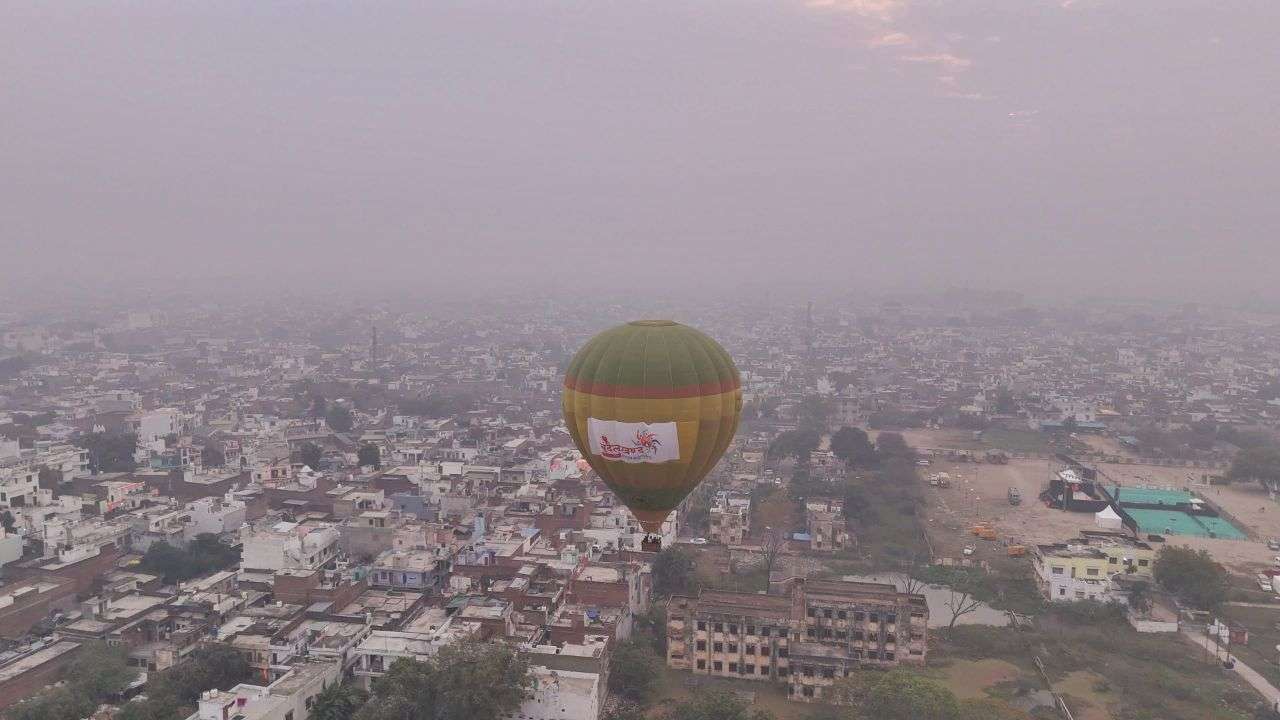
291	505
670	360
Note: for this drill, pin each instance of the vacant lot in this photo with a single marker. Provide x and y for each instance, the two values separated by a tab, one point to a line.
973	678
1260	652
1087	694
1109	670
979	492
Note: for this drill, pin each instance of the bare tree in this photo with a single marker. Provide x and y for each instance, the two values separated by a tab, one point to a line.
961	603
911	584
770	545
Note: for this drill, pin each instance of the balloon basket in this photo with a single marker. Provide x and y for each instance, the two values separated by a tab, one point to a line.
651	543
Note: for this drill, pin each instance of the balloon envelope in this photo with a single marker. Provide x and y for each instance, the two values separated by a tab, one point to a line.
652	405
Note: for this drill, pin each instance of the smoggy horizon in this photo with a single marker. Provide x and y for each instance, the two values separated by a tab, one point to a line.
1062	149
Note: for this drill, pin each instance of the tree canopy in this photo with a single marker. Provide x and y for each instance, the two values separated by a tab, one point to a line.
109	452
1193	577
369	455
891	445
212	455
339	701
172	693
95	674
203	555
467	681
795	443
310	454
852	445
339	418
635	671
715	704
673	571
904	695
1257	464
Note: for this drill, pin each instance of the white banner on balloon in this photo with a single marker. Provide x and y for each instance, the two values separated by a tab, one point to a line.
633	442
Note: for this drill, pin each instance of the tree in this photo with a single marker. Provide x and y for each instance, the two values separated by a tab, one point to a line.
101	670
794	443
903	695
339	418
59	703
1140	597
212	455
96	673
109	452
369	455
635	672
310	454
8	521
854	447
892	445
172	693
771	545
466	681
814	415
339	701
673	570
1258	464
960	602
203	555
1193	577
716	705
852	689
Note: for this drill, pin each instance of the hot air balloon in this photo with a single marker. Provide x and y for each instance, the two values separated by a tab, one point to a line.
652	405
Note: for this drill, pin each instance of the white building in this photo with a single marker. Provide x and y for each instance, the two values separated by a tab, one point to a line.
559	694
214	515
730	519
287	545
288	698
18	485
157	425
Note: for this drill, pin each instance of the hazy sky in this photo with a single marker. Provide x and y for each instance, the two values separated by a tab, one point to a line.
1121	146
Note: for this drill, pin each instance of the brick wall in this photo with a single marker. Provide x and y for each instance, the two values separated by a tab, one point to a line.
16	620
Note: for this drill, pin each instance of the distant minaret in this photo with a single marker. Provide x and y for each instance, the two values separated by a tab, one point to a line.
373	346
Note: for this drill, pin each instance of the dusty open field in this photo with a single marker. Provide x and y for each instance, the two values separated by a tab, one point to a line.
971	678
979	492
1082	690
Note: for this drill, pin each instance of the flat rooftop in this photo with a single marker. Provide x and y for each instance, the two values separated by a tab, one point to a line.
722	601
36	659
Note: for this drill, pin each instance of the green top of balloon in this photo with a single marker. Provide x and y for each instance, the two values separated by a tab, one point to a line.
652	323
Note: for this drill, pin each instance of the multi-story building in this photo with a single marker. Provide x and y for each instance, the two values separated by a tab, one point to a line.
411	569
214	515
824	520
1082	568
730	519
286	545
807	635
20	469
